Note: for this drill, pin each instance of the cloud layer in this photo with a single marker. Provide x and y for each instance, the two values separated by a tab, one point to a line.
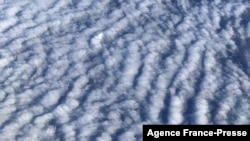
82	69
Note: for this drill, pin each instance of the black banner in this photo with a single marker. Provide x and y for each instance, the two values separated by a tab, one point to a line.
163	132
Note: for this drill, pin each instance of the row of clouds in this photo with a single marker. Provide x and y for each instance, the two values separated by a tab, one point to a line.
87	70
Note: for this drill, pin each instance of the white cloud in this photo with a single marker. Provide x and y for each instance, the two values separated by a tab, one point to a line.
99	70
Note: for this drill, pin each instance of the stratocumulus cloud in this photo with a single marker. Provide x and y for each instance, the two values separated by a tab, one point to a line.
98	70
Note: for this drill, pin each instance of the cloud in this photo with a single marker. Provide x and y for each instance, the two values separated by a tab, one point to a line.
100	70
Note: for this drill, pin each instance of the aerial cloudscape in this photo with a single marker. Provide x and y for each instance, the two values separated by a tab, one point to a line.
98	70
